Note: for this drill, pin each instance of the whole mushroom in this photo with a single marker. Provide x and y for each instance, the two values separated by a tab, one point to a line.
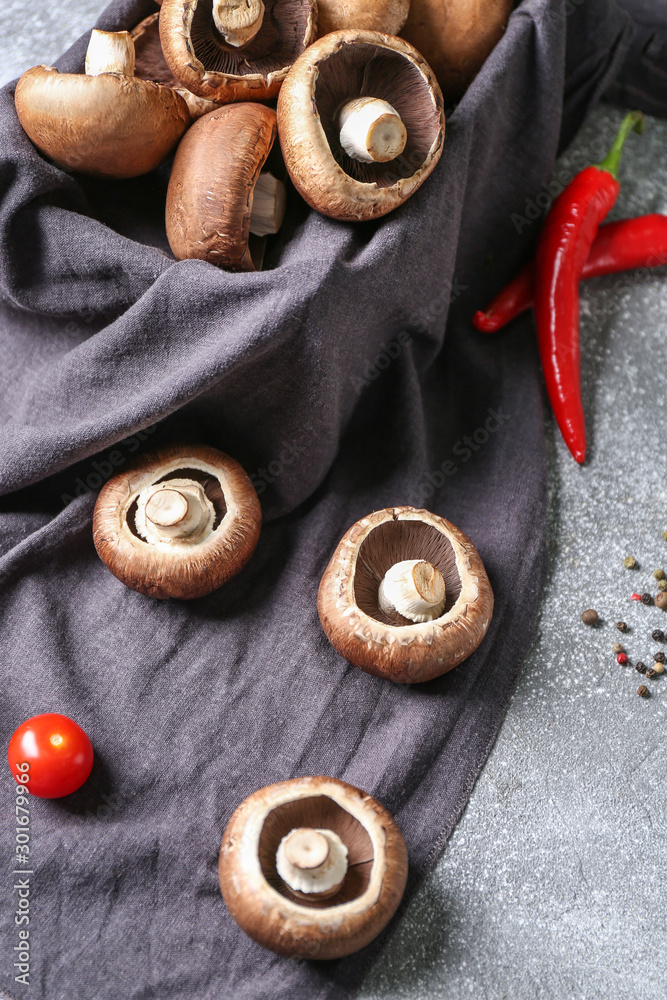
178	523
218	192
456	36
235	50
312	867
405	595
150	64
387	16
361	124
106	122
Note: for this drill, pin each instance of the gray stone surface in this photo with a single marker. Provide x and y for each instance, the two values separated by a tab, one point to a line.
554	884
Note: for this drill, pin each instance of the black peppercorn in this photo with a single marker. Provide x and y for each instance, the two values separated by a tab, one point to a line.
642	691
640	667
659	657
657	634
646	598
621	626
651	674
590	617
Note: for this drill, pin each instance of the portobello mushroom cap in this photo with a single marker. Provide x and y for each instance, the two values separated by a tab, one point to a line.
212	68
388	644
332	73
211	206
106	122
178	523
262	902
388	16
456	37
151	65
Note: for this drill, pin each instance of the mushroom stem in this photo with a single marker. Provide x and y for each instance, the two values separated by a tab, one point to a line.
268	205
110	52
312	862
173	510
371	130
238	21
415	589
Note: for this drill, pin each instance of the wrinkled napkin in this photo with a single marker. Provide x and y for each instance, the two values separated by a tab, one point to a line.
345	377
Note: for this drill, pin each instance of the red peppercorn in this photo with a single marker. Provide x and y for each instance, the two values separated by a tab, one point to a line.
621	658
635	597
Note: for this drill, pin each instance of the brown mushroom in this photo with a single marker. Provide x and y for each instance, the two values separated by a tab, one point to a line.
218	193
311	832
150	64
178	523
405	595
361	124
196	43
456	36
106	122
387	16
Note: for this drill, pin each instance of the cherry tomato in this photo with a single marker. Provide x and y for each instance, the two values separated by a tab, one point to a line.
51	755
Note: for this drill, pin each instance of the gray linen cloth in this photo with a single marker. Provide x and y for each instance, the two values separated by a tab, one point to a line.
329	376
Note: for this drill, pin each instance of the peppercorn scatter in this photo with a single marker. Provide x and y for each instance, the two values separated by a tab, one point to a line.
590	617
630	562
621	626
642	691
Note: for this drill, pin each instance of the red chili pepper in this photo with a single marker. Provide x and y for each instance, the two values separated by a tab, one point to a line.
618	246
562	250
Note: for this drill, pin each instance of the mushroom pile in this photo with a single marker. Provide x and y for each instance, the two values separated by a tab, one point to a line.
312	868
359	116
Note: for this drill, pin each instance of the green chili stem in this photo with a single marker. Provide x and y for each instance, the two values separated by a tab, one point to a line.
634	121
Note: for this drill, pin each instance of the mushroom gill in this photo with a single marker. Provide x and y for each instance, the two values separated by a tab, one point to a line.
270	50
367	70
317	811
393	542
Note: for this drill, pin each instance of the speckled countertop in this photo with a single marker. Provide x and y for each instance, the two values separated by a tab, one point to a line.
554	884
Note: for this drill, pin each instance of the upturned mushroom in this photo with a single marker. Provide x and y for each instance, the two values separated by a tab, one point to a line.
312	868
361	124
387	16
178	523
456	36
405	595
150	64
105	122
235	50
218	192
